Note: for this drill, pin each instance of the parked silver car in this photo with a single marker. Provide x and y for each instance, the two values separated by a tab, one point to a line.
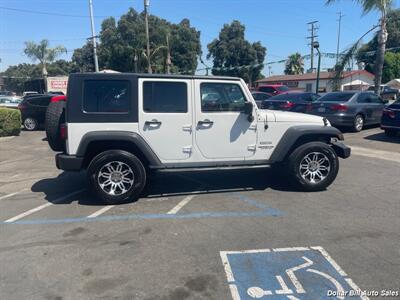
349	109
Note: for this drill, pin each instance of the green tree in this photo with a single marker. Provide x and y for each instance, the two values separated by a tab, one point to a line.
123	43
83	59
367	53
382	6
43	53
233	55
294	64
391	68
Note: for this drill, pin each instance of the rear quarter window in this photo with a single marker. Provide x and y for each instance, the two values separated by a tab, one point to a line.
106	96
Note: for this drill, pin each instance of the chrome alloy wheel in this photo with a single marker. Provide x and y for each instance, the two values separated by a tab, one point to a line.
359	123
115	178
314	167
30	123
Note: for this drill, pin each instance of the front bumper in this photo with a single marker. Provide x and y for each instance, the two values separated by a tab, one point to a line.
69	162
341	149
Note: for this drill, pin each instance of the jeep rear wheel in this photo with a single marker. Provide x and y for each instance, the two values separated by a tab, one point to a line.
117	176
313	166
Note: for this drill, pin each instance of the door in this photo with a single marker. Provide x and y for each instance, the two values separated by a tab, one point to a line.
165	118
377	105
222	129
364	104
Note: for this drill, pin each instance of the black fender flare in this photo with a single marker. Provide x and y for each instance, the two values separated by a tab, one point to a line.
125	136
295	134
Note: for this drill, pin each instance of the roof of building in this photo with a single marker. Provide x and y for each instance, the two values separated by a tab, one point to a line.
312	76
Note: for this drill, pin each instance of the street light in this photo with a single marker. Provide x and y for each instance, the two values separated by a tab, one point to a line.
316	46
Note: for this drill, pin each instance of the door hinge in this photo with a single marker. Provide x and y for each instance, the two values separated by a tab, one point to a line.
187	149
187	128
253	127
251	147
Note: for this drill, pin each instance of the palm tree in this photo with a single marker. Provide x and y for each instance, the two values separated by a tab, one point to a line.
43	53
382	6
294	64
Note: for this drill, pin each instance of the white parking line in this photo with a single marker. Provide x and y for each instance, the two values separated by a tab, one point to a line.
43	206
180	205
100	211
12	194
368	152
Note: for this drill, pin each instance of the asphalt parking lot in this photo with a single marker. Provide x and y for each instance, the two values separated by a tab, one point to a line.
236	234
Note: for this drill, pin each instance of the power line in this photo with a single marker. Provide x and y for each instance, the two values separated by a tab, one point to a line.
49	13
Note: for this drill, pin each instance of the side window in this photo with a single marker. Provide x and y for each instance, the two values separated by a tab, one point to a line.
314	97
165	97
267	89
44	101
217	97
106	96
258	96
363	98
375	99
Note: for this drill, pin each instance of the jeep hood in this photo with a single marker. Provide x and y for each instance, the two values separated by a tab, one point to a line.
291	117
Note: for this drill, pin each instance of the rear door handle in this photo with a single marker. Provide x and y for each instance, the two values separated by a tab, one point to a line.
205	122
153	122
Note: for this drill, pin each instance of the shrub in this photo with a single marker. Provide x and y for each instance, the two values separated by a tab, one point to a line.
10	121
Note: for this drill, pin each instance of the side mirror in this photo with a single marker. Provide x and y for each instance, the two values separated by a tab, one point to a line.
248	110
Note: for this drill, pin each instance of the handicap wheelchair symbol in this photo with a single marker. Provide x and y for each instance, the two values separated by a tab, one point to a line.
298	273
257	292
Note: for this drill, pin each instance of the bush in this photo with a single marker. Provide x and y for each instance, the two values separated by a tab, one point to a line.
10	121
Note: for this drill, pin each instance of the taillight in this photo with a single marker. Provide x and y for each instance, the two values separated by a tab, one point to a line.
390	113
21	106
287	105
339	107
63	131
58	98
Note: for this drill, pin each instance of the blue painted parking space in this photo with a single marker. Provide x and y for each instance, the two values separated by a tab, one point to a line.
287	273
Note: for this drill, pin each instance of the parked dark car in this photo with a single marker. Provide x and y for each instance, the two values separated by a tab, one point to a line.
33	110
259	97
296	102
349	109
386	92
273	89
390	121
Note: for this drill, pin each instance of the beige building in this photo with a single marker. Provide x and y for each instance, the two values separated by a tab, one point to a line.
351	80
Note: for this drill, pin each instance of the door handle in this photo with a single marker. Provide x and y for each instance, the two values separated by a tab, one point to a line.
152	122
205	122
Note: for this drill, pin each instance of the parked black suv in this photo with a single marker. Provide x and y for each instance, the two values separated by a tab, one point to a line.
33	110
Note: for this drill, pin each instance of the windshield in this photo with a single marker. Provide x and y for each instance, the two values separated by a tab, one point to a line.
336	97
283	88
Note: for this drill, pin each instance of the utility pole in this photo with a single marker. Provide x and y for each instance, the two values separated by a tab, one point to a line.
338	38
146	20
168	56
312	28
96	61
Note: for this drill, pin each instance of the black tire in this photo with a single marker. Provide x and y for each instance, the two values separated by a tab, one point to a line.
31	124
297	157
390	132
357	127
55	116
112	158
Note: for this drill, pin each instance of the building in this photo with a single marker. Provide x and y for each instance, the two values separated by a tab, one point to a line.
351	80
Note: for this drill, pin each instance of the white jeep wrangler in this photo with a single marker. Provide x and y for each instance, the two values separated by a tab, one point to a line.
121	126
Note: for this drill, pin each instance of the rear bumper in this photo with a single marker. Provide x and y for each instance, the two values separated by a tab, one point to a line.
341	149
69	162
341	120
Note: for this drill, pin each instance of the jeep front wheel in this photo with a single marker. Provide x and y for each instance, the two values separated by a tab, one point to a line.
117	176
313	166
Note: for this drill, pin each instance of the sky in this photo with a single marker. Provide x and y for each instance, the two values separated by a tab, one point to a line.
280	25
